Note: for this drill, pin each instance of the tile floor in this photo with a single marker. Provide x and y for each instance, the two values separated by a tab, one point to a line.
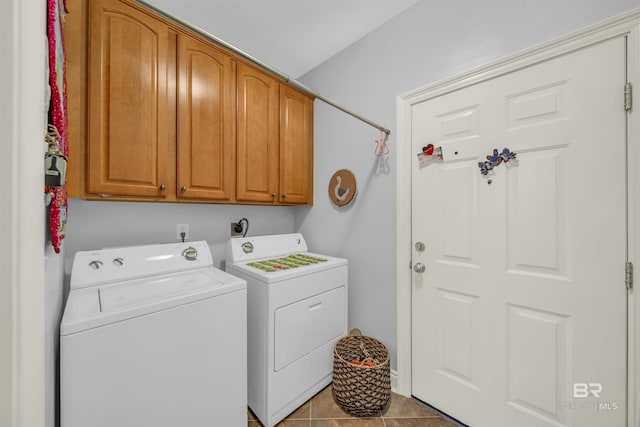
322	411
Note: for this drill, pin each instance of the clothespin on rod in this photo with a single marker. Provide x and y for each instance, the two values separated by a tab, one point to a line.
381	144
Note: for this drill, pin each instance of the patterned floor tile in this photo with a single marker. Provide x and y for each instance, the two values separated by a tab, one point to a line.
417	422
302	413
348	422
404	407
323	405
323	411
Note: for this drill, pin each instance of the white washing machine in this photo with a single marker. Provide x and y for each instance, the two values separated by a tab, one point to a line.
297	310
153	336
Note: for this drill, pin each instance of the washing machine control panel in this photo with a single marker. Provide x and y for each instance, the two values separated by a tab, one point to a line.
92	268
97	264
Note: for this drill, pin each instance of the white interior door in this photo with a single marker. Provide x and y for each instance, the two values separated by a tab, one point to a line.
519	318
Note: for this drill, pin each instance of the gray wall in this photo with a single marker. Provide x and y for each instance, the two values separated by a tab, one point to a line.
432	40
94	225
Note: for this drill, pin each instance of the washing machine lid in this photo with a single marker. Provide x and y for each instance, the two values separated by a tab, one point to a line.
97	306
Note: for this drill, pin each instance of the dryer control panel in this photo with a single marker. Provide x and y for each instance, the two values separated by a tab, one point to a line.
242	249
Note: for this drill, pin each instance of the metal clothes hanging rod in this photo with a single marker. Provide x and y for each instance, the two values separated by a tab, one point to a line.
262	65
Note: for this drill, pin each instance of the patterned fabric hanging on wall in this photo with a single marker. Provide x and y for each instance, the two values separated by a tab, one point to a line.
56	12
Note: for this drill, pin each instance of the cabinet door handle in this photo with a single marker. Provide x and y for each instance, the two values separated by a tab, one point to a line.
273	195
284	196
163	187
184	189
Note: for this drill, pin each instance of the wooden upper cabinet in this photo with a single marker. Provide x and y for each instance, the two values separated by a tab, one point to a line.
274	141
257	138
206	122
159	113
127	135
296	147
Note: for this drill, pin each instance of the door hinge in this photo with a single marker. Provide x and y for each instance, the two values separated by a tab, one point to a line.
628	274
628	97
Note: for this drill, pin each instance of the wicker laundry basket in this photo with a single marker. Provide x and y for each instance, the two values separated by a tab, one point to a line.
361	387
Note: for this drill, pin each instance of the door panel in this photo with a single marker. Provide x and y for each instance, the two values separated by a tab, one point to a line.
459	208
206	110
258	124
537	226
296	147
127	102
457	313
536	355
523	294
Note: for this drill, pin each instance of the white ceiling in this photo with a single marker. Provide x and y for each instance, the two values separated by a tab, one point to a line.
292	36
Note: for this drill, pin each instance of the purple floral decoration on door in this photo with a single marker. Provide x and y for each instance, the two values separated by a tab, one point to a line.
495	159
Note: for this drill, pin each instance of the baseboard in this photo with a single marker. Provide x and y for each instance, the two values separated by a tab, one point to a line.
394	380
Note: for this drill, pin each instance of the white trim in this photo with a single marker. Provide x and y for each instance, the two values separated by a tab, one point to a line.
22	384
394	381
625	24
403	247
8	22
633	129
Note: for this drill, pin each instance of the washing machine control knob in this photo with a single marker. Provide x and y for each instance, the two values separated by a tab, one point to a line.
118	262
190	254
95	264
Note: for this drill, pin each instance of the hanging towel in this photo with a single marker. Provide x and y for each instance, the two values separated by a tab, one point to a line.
56	11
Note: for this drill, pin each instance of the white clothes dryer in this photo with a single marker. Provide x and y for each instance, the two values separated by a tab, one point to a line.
153	336
297	310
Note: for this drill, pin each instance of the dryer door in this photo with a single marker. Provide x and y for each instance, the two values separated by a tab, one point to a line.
303	326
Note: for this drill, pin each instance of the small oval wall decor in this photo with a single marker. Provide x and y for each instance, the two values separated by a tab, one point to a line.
342	187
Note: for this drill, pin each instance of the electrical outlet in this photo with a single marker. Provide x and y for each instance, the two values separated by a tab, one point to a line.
236	229
182	228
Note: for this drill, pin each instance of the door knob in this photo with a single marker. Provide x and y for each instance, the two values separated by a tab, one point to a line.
184	189
419	267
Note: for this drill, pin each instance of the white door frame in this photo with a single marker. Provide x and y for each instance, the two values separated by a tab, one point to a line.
22	214
627	24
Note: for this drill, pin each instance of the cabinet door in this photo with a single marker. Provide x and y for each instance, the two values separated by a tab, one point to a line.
257	166
128	131
206	122
296	147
